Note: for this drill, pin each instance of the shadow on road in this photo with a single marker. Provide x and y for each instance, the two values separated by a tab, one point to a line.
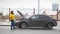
40	29
34	29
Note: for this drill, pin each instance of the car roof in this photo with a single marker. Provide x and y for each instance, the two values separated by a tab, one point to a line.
40	14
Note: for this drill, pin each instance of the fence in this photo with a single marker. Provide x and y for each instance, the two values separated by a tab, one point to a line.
26	12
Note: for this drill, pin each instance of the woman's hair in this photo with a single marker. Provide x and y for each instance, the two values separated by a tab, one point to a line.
12	12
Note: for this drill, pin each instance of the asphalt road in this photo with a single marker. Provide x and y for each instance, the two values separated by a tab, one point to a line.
7	30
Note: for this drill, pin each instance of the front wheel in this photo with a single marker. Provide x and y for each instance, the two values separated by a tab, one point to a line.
23	25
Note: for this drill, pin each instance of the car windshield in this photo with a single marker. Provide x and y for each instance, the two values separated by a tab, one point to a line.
27	17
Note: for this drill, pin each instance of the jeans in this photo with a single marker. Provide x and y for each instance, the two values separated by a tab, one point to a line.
12	24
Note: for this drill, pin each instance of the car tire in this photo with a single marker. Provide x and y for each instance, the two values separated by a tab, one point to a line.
49	26
23	25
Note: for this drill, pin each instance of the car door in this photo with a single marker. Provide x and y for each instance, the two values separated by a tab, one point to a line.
43	20
34	21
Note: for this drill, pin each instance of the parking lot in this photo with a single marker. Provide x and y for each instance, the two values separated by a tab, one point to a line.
7	30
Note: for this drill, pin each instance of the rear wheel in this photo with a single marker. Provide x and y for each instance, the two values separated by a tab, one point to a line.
49	25
23	25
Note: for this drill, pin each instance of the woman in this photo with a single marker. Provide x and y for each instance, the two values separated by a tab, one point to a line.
12	17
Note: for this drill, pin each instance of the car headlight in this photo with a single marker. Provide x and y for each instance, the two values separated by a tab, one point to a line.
17	21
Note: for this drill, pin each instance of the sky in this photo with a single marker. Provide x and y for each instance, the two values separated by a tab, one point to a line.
18	3
47	4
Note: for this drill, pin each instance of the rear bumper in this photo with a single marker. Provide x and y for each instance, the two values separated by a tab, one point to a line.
55	24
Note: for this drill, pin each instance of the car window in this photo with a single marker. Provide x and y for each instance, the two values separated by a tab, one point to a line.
35	17
44	17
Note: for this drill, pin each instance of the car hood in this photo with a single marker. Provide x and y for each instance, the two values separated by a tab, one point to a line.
23	17
20	13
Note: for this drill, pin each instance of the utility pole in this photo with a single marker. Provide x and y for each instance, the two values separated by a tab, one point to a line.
9	13
57	14
38	5
9	10
34	11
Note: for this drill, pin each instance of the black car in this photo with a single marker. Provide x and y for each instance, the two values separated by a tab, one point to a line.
36	21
